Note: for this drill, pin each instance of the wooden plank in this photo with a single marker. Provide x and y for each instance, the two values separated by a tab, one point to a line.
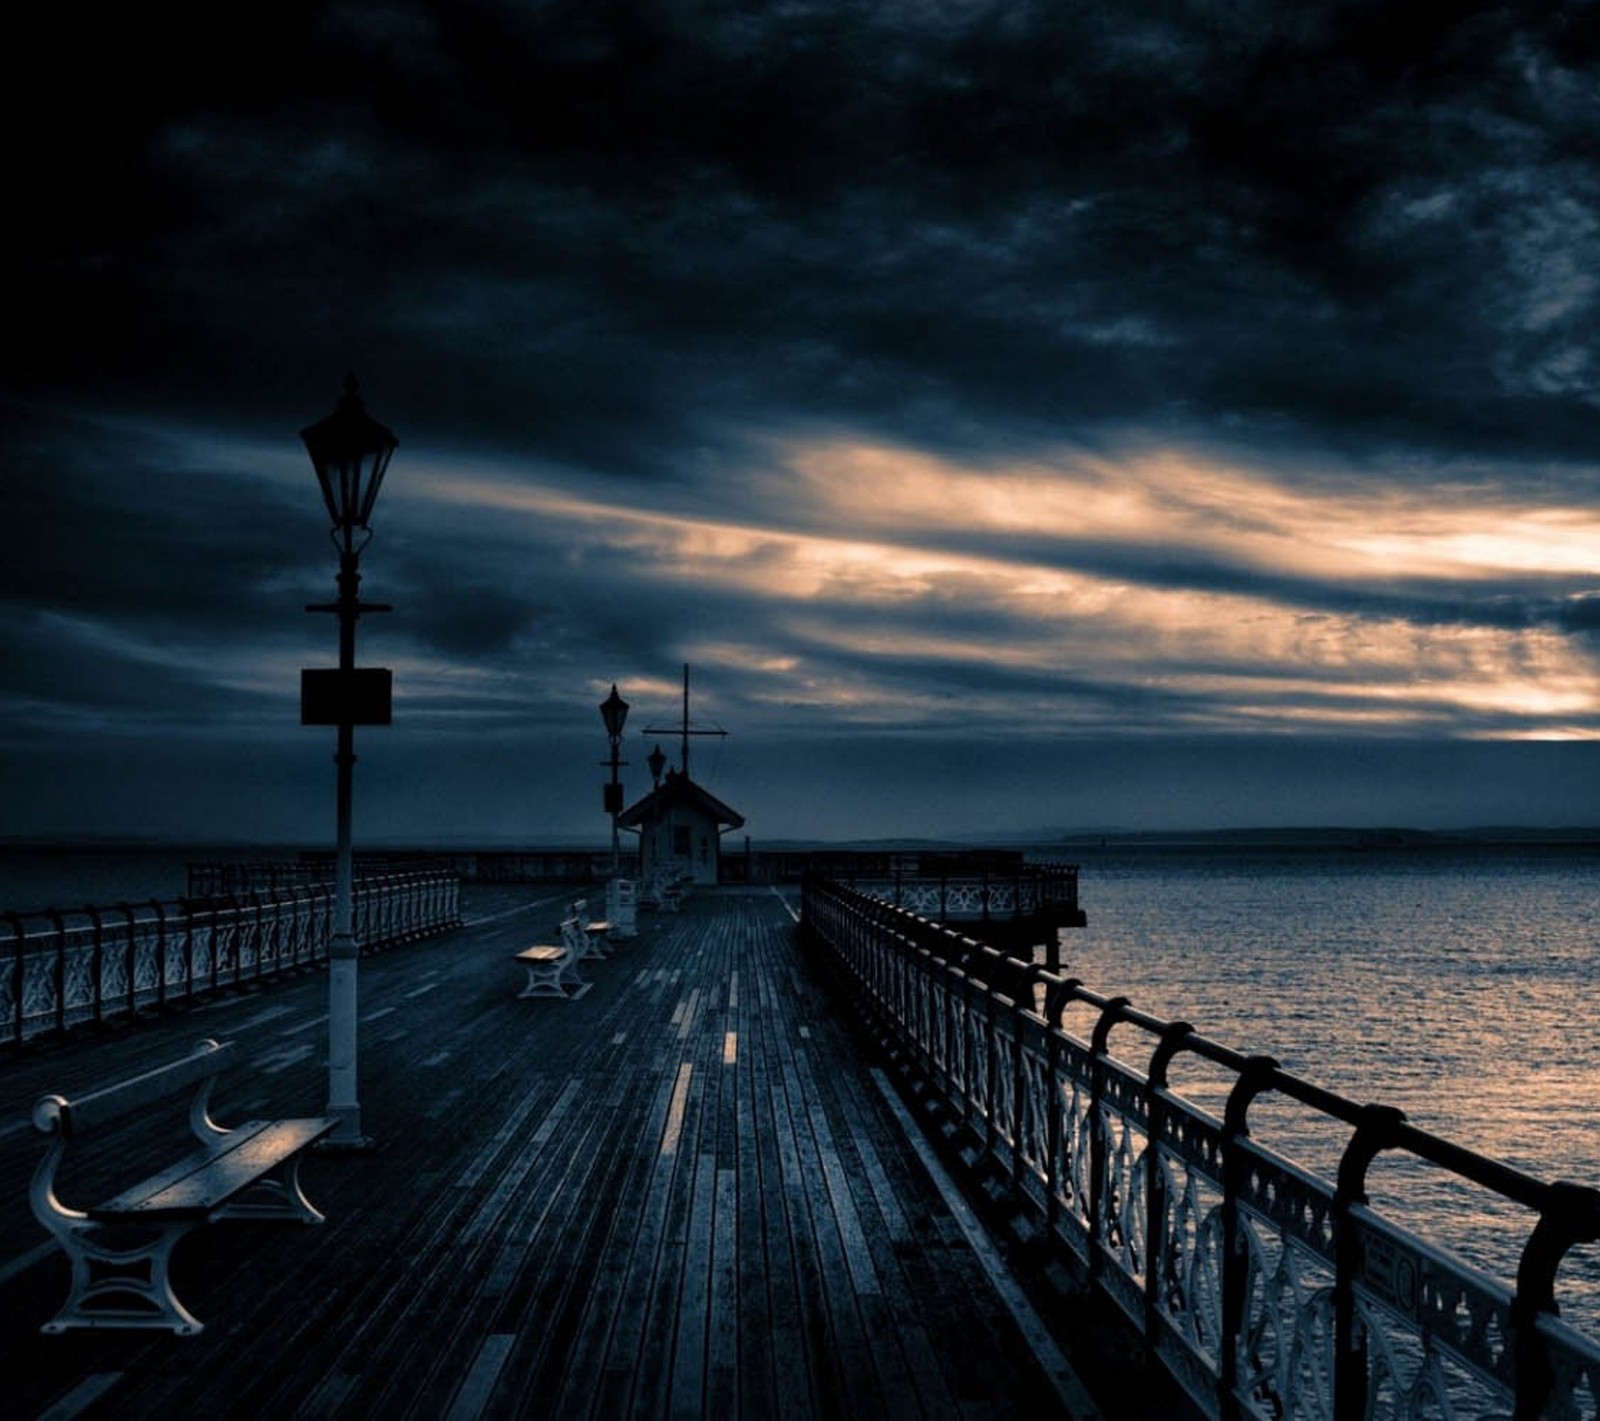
897	1382
558	1301
472	1400
724	1322
584	1380
910	1290
796	1341
515	1286
653	1381
687	1384
815	1317
758	1394
901	1363
629	1370
1070	1391
491	1289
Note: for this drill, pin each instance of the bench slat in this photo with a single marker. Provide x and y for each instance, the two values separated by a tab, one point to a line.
114	1101
206	1178
541	953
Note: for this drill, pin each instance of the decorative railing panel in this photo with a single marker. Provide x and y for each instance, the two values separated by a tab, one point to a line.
1027	891
62	969
1266	1291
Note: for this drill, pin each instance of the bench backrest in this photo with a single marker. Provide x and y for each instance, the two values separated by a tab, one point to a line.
54	1114
573	935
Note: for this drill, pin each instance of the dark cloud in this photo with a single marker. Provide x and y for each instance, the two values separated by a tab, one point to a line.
114	519
578	225
621	246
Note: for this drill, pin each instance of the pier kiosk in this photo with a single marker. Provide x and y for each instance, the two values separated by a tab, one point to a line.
680	827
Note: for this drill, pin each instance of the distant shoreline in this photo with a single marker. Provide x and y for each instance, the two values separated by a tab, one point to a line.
1342	839
1302	838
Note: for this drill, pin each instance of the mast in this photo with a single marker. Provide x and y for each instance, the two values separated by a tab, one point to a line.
681	730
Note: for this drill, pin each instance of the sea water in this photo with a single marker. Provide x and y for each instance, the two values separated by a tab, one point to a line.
1460	987
65	877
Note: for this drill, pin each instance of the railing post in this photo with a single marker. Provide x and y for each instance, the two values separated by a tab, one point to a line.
236	936
972	1103
1255	1076
1571	1214
187	905
97	968
1056	998
991	1059
1099	1047
216	955
19	977
1173	1040
131	958
258	930
1019	1094
161	953
1375	1132
60	970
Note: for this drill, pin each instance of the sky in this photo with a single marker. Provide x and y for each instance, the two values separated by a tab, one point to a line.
1021	416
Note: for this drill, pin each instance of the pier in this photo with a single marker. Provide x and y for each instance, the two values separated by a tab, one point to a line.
691	1192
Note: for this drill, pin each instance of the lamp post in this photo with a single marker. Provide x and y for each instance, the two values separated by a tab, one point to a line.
657	762
350	452
614	711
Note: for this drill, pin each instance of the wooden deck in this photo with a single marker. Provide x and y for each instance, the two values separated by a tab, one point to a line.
686	1194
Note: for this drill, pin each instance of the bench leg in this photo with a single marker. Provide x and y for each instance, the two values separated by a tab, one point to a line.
122	1287
544	980
281	1198
577	984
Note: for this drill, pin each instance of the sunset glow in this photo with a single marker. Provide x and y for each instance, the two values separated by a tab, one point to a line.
928	538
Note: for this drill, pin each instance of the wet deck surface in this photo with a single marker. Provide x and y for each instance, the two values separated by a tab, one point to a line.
684	1194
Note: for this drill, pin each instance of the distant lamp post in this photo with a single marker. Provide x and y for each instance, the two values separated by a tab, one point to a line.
350	452
657	763
614	712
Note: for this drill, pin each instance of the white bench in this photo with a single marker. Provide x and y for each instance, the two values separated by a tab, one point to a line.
597	930
546	962
553	968
121	1250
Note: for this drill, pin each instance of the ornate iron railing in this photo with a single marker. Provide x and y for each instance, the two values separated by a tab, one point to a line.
1029	890
1266	1291
65	967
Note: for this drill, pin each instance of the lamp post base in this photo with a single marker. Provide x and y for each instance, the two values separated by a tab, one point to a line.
344	1104
346	1138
